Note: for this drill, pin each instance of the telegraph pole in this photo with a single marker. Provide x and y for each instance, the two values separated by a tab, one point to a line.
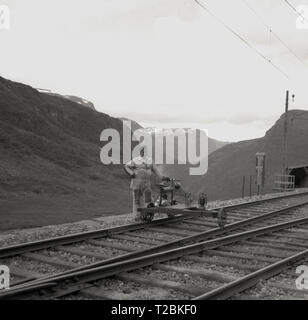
285	137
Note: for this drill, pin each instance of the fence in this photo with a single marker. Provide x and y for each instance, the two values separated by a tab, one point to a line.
284	182
250	184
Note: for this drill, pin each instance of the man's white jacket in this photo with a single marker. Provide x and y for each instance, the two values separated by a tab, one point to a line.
141	169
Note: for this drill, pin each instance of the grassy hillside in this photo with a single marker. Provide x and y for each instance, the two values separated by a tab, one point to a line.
50	169
49	149
228	165
181	172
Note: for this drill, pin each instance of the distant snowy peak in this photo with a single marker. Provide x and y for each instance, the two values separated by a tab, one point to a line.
81	101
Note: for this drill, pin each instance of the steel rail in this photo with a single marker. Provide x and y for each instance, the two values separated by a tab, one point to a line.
202	236
93	274
14	250
182	242
246	282
291	195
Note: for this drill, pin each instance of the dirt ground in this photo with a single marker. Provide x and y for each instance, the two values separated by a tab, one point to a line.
46	218
39	211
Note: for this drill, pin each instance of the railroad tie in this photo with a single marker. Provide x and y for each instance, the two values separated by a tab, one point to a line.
118	246
210	275
52	261
166	284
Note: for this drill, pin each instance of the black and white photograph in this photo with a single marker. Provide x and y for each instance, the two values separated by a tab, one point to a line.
153	153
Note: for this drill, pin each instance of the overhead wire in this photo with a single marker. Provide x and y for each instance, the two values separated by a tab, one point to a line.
272	32
296	11
241	38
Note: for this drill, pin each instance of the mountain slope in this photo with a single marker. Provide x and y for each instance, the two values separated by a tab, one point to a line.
134	125
228	165
81	101
181	172
50	148
177	171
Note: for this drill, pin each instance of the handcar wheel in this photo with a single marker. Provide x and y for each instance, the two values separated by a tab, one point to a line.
147	217
151	205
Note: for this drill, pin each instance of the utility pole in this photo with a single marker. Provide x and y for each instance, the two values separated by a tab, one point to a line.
285	137
243	187
250	186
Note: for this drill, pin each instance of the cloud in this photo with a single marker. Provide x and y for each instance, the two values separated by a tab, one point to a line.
163	61
234	119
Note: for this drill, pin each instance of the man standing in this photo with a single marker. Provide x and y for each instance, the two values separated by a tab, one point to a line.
140	170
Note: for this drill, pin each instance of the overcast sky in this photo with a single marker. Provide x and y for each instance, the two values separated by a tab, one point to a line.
164	63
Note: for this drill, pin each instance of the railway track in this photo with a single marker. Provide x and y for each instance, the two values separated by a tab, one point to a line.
212	269
241	217
283	286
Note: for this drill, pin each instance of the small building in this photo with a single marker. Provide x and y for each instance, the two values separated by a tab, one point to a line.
301	175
